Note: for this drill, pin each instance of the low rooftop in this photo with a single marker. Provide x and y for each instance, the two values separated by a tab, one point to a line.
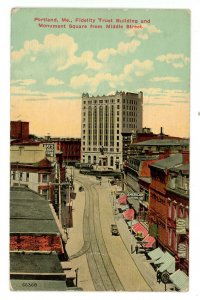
162	142
173	160
30	212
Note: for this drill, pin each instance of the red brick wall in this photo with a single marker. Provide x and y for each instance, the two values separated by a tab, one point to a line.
19	130
158	204
36	243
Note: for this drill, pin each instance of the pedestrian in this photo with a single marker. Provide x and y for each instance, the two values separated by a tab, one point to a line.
158	275
136	249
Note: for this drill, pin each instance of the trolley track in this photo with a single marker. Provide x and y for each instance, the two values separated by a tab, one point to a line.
100	265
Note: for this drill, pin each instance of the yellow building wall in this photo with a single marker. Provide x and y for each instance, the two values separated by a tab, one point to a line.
26	154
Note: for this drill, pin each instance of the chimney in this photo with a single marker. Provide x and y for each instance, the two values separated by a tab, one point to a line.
186	157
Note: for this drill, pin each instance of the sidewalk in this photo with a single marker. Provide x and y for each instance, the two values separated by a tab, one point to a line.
140	260
75	242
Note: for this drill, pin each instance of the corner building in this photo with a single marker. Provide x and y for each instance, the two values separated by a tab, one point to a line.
107	122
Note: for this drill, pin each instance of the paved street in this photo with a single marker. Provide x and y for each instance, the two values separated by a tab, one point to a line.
104	261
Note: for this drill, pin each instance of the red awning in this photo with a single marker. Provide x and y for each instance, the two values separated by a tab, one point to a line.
129	214
138	228
123	199
148	241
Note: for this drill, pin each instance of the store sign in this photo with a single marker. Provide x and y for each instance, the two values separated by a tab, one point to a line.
181	250
180	226
50	149
137	196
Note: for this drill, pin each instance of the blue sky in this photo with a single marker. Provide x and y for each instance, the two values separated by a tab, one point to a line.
52	67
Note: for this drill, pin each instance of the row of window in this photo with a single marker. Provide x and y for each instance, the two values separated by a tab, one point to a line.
95	101
24	176
96	149
178	211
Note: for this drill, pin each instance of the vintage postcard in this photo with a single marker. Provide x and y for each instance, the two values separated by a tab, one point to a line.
99	149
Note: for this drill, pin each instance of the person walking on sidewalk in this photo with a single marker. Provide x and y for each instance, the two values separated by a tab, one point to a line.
158	275
136	249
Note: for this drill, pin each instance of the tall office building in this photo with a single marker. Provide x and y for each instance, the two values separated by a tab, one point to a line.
107	124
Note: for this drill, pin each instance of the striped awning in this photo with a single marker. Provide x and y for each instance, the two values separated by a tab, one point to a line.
156	254
123	199
180	280
148	241
129	214
166	262
138	228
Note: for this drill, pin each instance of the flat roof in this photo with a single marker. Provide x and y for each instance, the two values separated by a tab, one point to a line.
169	162
35	263
30	212
162	142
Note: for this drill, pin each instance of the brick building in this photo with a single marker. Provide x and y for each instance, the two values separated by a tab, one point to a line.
71	149
32	225
169	205
36	245
19	130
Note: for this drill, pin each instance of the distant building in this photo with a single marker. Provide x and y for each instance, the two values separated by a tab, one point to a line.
154	146
146	134
107	123
19	130
70	148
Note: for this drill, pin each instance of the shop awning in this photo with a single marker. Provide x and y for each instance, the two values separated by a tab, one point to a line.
123	207
148	241
139	229
129	214
131	223
180	280
156	254
122	199
167	262
135	203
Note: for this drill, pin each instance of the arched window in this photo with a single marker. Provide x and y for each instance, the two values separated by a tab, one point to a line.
89	159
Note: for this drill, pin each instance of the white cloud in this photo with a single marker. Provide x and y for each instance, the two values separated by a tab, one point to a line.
86	58
143	33
177	60
166	78
164	96
60	49
104	54
54	81
24	81
136	67
121	49
29	95
139	68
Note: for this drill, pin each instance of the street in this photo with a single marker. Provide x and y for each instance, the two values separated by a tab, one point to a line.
103	260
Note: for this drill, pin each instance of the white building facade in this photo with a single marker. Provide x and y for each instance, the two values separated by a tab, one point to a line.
104	120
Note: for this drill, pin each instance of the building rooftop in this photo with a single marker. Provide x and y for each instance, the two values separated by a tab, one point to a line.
29	262
162	142
30	212
169	162
183	168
